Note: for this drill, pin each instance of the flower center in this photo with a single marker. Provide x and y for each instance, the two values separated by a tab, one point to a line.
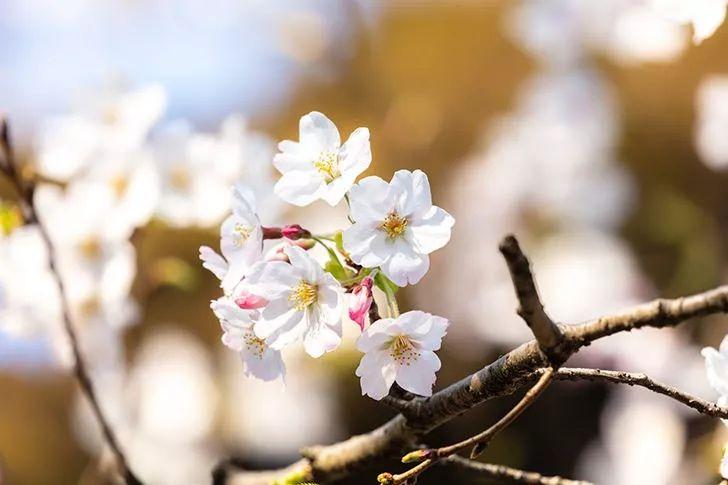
241	234
328	165
119	185
90	248
253	344
304	294
179	178
394	225
403	350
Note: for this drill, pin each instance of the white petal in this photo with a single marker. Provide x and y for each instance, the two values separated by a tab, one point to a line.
226	309
717	370
213	262
303	264
320	338
280	325
413	191
337	188
271	279
370	200
431	231
375	336
706	20
300	187
268	368
330	299
724	465
377	372
405	266
293	157
419	376
356	154
244	204
316	130
233	337
366	244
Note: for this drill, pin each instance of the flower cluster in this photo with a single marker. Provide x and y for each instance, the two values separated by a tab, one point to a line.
275	298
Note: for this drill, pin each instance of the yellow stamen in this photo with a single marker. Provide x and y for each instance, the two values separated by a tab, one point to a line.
119	185
179	178
303	295
90	248
394	225
328	165
402	350
241	234
254	344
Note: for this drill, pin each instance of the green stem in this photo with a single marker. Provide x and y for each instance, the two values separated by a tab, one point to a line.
331	252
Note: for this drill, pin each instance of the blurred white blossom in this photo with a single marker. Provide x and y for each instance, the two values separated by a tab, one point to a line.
705	16
711	103
106	122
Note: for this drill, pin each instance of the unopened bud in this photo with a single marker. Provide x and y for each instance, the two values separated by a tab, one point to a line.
294	232
385	478
417	456
360	301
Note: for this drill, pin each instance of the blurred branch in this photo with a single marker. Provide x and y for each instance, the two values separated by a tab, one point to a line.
508	474
548	335
502	377
26	190
638	379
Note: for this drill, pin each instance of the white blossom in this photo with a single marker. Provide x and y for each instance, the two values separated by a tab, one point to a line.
259	359
716	366
107	121
304	303
241	242
401	350
704	15
318	166
711	104
29	299
396	226
194	188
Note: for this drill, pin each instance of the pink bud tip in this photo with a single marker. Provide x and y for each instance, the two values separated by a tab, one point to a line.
247	301
294	232
360	301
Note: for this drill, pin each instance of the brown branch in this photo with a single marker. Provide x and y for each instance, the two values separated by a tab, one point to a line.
508	474
502	377
548	335
25	191
478	442
638	379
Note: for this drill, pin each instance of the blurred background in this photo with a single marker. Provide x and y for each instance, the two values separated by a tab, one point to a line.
593	130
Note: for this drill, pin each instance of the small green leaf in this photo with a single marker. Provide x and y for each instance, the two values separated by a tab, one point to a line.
339	241
336	270
385	284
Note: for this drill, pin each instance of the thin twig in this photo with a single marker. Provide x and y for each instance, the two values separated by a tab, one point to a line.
479	441
508	474
638	379
25	192
547	333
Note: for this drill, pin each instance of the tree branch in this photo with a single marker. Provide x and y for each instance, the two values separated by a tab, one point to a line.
548	335
25	191
508	474
508	373
638	379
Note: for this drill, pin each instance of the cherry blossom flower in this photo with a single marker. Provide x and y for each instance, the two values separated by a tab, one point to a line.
259	359
360	301
401	350
716	366
304	303
241	242
318	166
396	226
704	15
107	121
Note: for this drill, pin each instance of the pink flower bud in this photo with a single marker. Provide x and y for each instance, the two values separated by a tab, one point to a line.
294	232
248	301
360	301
